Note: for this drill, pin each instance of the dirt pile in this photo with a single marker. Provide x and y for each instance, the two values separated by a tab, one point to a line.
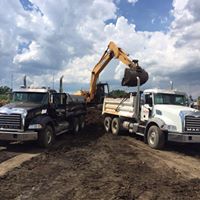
96	165
94	117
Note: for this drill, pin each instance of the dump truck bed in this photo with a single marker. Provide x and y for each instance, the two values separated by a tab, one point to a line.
119	106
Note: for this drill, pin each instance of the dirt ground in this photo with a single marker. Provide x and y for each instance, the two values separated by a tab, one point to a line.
97	165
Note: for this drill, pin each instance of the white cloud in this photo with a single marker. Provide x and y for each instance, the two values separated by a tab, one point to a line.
132	1
69	37
27	55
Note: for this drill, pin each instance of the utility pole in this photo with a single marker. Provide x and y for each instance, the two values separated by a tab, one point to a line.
53	81
11	82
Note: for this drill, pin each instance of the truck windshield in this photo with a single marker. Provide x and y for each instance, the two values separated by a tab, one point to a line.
31	97
173	99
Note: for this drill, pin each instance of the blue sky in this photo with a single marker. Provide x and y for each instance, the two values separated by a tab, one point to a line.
148	15
64	37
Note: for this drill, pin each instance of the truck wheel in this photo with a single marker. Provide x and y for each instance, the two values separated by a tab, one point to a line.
107	123
46	137
155	138
82	122
76	125
115	126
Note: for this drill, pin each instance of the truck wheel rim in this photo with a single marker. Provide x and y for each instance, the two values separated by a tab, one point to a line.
114	127
107	125
82	124
77	127
152	137
49	137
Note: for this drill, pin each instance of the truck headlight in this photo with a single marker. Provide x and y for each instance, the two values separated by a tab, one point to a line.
35	126
170	127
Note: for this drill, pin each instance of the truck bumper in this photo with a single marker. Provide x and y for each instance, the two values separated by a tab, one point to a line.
180	137
18	136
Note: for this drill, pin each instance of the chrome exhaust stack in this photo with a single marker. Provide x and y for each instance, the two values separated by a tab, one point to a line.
25	83
61	84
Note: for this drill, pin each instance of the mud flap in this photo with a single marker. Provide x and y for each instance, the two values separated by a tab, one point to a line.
130	77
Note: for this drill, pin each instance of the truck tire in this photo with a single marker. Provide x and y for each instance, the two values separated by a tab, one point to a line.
107	124
82	122
76	125
46	137
116	126
155	138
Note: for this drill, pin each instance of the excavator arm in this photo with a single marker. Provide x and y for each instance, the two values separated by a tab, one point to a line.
113	51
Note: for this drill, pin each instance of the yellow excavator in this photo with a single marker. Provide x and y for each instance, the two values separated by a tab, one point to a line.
97	90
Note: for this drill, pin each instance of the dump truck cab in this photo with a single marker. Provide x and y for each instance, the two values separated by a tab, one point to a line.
158	115
40	114
169	111
156	100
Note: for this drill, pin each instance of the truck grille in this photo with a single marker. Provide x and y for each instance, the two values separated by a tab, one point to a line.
192	124
10	121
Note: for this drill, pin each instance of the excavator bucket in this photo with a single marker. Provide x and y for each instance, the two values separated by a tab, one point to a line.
130	77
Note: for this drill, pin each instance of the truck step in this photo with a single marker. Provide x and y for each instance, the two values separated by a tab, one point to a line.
141	126
138	133
61	132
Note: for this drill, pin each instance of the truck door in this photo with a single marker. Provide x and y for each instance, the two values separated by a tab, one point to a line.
58	104
58	101
146	108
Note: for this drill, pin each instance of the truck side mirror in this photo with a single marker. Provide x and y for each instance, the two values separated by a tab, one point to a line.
150	102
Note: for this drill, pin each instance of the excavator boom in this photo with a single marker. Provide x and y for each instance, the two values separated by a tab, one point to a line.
113	51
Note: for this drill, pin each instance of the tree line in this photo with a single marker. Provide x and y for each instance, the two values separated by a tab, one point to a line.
4	90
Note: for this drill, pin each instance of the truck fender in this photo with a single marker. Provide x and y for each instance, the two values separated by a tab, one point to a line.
43	119
154	121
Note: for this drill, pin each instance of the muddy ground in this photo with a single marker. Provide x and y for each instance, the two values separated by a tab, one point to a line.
97	165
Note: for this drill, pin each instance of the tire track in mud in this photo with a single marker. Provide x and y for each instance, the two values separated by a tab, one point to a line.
174	158
15	162
14	155
5	155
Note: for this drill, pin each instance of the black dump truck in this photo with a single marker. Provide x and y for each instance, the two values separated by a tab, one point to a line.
40	114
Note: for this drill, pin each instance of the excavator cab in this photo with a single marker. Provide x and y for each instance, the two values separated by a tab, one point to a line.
102	90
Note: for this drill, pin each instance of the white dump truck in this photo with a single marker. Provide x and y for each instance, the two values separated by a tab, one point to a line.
156	114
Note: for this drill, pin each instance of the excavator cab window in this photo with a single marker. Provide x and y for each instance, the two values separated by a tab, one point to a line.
101	91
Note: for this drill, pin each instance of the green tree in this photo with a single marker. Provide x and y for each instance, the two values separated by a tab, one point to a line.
4	95
4	90
118	93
